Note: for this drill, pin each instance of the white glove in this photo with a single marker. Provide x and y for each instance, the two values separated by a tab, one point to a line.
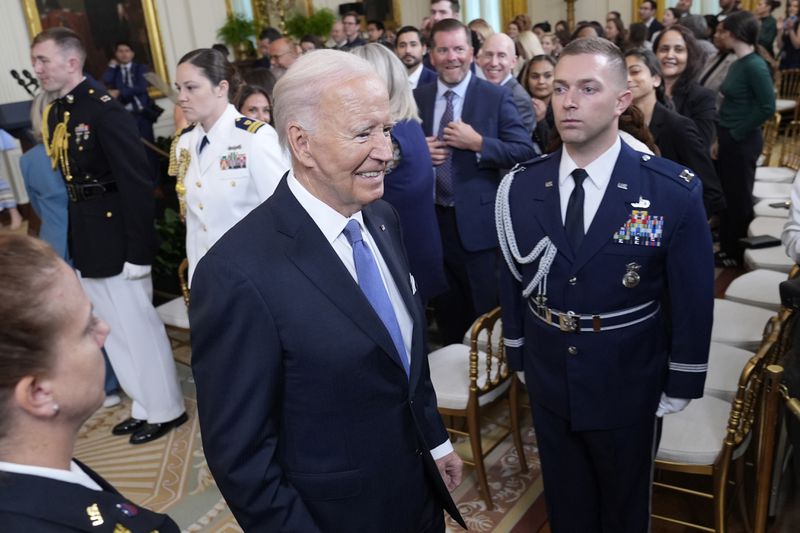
131	271
667	405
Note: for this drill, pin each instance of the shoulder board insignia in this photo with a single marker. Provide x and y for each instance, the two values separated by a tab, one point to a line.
677	173
187	129
248	124
105	98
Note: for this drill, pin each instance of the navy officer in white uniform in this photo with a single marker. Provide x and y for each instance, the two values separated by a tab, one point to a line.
607	298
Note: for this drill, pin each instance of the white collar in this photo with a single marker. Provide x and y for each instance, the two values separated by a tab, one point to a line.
75	474
329	221
460	89
599	171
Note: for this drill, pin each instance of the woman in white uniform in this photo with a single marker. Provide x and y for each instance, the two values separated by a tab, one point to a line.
226	164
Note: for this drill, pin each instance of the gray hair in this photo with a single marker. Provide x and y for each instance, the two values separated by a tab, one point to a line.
40	102
393	72
298	93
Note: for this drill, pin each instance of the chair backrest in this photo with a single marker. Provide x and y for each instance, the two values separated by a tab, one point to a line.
770	133
790	149
493	363
787	83
182	268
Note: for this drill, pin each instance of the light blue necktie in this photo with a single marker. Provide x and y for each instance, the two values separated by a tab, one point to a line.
369	279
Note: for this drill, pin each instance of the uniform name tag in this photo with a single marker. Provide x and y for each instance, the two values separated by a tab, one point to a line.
233	161
641	229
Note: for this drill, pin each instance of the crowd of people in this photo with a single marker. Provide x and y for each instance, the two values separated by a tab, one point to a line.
331	191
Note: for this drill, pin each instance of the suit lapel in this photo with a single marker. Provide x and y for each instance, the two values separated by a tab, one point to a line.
614	208
546	191
388	248
427	100
315	257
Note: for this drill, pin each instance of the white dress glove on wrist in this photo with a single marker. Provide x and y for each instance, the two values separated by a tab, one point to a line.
131	271
667	405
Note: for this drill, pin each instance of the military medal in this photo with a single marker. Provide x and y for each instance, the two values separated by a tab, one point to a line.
631	278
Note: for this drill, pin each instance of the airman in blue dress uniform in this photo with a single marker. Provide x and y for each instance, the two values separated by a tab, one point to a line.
616	330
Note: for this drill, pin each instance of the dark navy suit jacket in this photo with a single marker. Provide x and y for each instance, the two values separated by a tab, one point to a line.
427	76
490	110
309	421
112	77
612	379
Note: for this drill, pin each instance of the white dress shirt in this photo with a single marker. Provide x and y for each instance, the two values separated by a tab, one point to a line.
74	475
460	91
332	223
594	186
413	78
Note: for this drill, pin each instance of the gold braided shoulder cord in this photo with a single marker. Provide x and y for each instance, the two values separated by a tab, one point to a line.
178	166
57	148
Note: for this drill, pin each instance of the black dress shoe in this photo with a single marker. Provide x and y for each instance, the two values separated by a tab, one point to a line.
128	426
150	432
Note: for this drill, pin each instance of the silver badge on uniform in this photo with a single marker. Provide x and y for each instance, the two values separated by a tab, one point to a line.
631	278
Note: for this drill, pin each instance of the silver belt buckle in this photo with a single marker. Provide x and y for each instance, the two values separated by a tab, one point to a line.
569	322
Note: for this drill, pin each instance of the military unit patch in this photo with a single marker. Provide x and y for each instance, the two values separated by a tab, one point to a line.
641	229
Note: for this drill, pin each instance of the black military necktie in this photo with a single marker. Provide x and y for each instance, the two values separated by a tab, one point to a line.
203	144
573	222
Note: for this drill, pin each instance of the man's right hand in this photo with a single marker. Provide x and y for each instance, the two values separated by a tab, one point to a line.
114	93
438	149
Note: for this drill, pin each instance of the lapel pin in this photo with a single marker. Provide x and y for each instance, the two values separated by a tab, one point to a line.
383	228
687	175
643	203
623	186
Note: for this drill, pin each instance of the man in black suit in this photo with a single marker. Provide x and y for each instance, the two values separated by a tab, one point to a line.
314	394
647	14
470	141
267	35
352	30
112	240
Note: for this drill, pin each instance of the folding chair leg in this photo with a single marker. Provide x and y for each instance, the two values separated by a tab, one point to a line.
477	453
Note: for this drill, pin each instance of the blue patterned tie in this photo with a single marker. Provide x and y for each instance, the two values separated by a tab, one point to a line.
573	221
444	172
369	279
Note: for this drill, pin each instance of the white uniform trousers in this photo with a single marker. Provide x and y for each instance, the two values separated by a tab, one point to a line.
138	346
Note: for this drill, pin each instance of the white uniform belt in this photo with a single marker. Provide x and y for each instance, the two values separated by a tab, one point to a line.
572	322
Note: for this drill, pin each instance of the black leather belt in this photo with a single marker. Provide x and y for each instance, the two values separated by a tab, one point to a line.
79	192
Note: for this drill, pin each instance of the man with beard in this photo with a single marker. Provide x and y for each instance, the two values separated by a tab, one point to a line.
282	54
410	48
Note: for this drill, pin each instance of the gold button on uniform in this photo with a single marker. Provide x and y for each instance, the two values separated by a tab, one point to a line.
109	214
199	184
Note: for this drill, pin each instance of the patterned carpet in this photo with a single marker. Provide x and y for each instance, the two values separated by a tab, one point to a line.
170	474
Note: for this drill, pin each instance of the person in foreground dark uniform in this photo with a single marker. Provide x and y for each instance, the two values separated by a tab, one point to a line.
112	239
607	297
51	381
314	394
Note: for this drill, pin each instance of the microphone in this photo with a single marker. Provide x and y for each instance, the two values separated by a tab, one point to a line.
22	83
31	77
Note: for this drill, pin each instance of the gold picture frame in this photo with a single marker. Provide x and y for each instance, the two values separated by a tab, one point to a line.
139	20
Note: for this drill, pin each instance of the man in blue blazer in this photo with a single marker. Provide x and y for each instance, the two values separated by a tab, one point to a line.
471	140
607	297
314	395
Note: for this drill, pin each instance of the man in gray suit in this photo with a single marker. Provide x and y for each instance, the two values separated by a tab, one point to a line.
497	59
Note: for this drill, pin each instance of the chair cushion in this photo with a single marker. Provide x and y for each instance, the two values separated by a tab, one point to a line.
450	377
725	364
497	335
766	226
772	258
775	174
174	313
738	324
784	104
757	287
765	189
694	436
763	209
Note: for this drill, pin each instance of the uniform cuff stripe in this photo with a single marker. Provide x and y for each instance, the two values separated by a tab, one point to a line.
686	367
514	343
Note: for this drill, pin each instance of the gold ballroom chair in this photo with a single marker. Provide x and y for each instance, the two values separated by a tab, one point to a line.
787	87
712	437
468	379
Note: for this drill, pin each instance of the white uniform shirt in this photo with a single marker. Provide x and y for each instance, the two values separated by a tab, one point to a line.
235	172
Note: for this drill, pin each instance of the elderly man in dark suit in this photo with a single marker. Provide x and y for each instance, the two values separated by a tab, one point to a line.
473	131
314	395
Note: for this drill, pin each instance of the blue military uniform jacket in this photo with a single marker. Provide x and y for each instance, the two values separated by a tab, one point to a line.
651	229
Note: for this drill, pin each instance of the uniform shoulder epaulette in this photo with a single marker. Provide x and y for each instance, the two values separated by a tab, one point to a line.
187	129
249	124
677	173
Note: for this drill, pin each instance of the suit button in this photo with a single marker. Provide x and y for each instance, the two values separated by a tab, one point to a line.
572	350
573	280
233	184
205	228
